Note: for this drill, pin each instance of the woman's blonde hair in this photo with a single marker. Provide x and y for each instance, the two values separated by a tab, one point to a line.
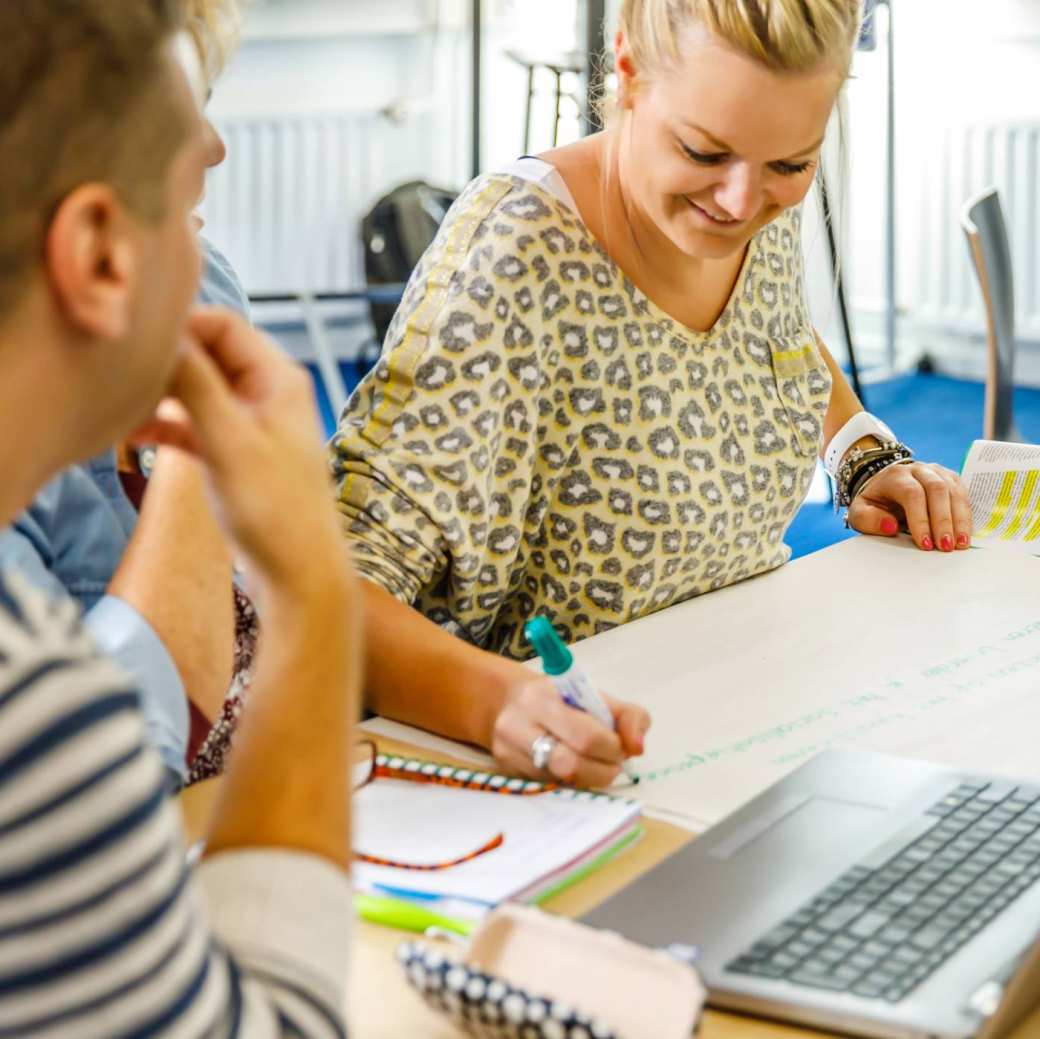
786	35
215	26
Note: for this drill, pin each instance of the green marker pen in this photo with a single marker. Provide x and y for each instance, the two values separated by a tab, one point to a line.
405	915
574	687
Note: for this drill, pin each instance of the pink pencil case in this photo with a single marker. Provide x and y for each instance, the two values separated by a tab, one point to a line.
528	975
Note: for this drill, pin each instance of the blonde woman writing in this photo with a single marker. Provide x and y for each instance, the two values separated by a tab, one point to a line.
603	393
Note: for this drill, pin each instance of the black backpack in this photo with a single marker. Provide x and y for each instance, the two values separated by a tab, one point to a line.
395	233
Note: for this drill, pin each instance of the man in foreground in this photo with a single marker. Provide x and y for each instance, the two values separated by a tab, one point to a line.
102	930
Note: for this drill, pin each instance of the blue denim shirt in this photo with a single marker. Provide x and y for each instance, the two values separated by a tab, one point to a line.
70	541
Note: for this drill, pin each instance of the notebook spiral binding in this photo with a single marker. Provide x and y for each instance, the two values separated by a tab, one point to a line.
395	766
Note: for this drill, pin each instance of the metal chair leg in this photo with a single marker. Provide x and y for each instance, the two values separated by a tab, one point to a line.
325	356
529	110
559	97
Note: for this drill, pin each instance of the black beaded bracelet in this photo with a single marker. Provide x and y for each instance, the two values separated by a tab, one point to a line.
866	475
858	457
861	464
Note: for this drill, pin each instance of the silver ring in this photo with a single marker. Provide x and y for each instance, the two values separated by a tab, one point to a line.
541	751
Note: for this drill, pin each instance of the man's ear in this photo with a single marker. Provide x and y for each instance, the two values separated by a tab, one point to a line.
90	261
626	71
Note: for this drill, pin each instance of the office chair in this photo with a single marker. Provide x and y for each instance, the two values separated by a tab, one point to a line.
983	222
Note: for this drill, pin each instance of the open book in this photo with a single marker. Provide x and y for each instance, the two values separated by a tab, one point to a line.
1004	483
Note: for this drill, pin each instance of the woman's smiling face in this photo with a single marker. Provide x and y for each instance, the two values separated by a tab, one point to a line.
717	146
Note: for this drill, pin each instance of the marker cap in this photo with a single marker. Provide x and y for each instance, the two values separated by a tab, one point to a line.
556	657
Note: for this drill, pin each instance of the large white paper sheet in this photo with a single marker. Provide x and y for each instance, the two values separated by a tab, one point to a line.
870	644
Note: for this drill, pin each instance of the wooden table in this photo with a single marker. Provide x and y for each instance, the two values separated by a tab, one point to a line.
383	1006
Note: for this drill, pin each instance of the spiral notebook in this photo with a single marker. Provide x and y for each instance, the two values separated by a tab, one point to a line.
548	839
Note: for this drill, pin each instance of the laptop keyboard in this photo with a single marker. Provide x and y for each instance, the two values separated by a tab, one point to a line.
890	922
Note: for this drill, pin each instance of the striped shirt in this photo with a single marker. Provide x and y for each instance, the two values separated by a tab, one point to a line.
103	931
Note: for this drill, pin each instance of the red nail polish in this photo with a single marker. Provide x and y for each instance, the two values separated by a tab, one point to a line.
963	540
889	526
927	544
947	543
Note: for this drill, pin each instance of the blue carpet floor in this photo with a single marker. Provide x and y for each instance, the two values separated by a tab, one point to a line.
937	416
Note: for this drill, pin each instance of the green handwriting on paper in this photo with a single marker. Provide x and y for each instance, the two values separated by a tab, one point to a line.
706	757
895	701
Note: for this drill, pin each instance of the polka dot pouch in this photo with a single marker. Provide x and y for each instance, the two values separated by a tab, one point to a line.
529	975
488	1007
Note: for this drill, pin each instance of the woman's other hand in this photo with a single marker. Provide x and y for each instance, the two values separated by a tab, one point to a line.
928	500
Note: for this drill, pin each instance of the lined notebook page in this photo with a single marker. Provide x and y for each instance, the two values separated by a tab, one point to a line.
417	823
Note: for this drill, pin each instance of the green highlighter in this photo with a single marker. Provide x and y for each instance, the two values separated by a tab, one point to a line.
406	916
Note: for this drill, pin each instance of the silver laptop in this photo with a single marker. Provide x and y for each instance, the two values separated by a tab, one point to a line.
863	893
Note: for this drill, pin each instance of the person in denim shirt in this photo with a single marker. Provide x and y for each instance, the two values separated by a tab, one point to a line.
155	588
73	538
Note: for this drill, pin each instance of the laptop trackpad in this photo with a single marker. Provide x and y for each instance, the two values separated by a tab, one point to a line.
829	820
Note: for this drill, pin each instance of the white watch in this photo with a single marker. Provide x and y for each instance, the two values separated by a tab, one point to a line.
859	426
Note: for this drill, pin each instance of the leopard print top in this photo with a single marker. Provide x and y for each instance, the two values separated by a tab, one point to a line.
539	437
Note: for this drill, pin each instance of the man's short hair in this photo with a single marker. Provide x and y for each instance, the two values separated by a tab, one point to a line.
86	96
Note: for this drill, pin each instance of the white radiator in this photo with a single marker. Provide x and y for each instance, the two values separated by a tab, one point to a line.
286	206
967	160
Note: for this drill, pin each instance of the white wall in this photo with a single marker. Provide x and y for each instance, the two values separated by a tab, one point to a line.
411	57
408	58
